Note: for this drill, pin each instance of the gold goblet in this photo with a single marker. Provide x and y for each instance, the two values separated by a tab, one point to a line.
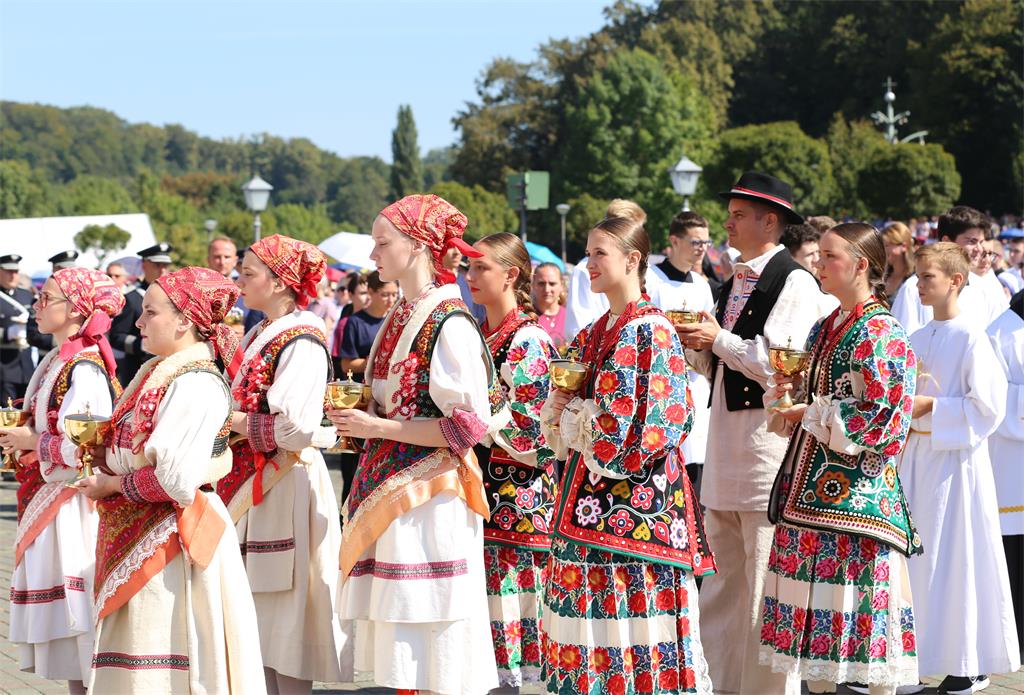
679	317
11	417
787	361
568	375
85	430
344	395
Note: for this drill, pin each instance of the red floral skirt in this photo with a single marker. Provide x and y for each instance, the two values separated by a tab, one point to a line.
515	586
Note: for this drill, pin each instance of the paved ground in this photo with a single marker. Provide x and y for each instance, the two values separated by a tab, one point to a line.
16	682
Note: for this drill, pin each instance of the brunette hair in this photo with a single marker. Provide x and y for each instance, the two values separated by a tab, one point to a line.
949	256
959	219
898	233
865	242
796	235
822	223
374	282
625	220
563	295
508	251
354	281
685	221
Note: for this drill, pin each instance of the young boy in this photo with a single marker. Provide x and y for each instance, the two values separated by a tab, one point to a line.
960	585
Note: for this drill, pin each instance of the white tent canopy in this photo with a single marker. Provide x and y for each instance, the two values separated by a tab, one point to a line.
350	249
37	238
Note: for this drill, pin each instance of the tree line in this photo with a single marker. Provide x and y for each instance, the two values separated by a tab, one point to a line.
784	86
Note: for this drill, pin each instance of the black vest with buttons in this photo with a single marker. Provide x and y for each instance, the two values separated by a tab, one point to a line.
742	393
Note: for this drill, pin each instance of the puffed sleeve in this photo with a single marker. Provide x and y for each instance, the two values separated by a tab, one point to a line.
190	415
89	390
296	400
641	407
964	422
883	368
526	376
459	384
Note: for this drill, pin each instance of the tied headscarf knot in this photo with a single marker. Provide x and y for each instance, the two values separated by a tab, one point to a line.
93	295
435	222
299	264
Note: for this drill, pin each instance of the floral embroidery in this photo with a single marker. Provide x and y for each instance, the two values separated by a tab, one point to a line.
517	638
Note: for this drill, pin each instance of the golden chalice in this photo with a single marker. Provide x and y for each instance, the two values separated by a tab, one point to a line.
234	317
86	431
568	375
344	395
787	361
678	317
11	417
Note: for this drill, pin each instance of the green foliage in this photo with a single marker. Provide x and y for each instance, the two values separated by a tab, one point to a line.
299	222
92	195
584	212
360	192
406	167
779	149
487	212
436	165
22	192
102	240
173	220
851	147
909	180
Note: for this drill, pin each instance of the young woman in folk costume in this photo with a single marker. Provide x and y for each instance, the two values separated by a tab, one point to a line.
51	590
516	461
620	605
173	609
836	604
279	493
413	601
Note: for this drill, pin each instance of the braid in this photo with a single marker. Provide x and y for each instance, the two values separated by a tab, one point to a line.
641	271
523	298
878	289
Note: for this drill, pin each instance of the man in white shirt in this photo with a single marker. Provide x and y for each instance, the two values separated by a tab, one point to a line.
770	300
970	229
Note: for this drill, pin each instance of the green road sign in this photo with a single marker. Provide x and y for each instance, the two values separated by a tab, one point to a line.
533	185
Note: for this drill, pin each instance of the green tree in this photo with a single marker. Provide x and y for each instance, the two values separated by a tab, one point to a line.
102	240
779	149
173	220
406	167
909	180
436	166
632	121
851	147
93	195
299	222
358	192
22	193
584	212
487	212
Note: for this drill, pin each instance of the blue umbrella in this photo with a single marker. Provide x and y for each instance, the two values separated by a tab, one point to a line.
542	254
1012	233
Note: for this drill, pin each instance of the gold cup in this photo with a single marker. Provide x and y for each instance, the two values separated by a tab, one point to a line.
568	375
11	417
344	395
787	361
679	317
85	430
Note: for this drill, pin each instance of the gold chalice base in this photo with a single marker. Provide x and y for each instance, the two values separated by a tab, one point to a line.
788	362
11	417
679	317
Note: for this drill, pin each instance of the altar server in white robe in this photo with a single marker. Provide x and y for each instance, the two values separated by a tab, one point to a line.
960	584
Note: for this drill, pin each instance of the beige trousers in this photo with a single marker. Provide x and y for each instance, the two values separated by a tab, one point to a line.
730	605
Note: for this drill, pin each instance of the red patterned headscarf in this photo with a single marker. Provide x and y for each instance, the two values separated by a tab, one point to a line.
299	264
95	296
434	221
205	297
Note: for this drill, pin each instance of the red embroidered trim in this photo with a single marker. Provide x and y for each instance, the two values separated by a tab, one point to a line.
399	571
462	430
140	662
260	429
31	596
142	486
49	449
74	583
258	547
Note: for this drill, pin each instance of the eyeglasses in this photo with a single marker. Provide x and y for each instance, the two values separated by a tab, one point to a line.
701	243
46	299
993	255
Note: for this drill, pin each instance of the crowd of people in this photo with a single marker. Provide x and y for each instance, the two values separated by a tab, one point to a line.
671	526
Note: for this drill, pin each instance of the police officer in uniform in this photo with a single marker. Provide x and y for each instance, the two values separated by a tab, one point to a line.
64	259
15	318
124	335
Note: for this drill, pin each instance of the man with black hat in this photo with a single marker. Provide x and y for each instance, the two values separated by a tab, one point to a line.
124	335
770	300
64	259
15	316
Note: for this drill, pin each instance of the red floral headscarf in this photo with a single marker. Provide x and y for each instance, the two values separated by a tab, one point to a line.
205	297
299	264
95	296
434	221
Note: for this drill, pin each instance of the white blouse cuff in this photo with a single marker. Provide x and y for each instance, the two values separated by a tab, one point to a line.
577	424
822	420
553	437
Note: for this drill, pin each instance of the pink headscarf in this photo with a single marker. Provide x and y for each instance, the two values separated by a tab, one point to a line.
298	263
205	297
435	222
95	296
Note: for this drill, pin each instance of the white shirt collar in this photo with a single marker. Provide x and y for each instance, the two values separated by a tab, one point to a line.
757	264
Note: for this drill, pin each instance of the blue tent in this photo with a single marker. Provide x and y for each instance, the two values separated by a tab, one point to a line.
542	254
1012	233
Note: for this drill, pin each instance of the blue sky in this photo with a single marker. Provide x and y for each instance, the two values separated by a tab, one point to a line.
334	72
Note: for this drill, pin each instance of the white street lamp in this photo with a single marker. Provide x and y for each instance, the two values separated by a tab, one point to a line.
563	209
257	195
210	225
684	179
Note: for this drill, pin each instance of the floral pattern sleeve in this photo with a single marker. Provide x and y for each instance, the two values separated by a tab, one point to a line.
526	379
871	406
641	406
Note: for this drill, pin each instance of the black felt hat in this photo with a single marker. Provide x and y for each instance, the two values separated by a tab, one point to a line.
767	190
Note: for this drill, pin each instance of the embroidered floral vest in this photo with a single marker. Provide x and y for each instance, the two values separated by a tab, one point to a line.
393	477
250	393
136	540
652	514
29	474
865	363
521	496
